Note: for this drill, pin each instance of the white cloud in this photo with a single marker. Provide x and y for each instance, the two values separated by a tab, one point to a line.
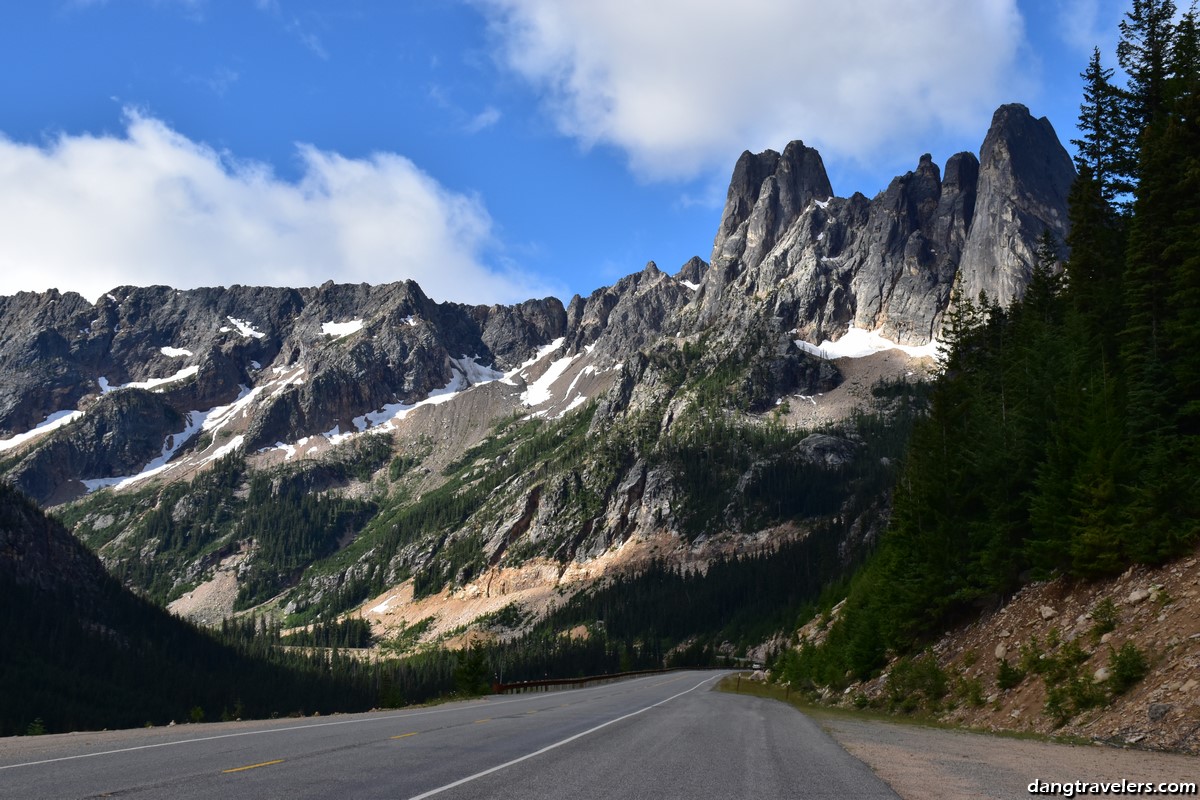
1087	24
88	213
309	40
685	85
483	120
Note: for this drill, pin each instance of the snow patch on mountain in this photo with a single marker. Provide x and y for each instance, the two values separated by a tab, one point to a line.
50	423
539	391
538	355
857	343
171	445
340	329
244	328
152	383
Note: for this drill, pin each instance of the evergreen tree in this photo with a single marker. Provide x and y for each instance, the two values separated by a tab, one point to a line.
1184	62
1144	52
1102	148
1094	270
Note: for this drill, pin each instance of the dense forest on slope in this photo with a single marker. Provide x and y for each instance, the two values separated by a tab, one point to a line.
1064	432
82	652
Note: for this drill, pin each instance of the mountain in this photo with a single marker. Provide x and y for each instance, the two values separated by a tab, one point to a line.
82	652
364	447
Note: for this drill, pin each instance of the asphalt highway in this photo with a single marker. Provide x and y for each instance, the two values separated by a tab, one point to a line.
661	736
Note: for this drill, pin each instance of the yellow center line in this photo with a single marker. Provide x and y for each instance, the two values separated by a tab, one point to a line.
479	721
253	766
406	735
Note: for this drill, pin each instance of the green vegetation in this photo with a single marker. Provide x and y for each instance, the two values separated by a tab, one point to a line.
1064	433
1105	617
81	652
168	530
352	632
916	683
1008	676
1126	667
290	529
406	638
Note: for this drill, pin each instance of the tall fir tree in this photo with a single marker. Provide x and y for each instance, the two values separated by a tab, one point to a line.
1144	52
1102	146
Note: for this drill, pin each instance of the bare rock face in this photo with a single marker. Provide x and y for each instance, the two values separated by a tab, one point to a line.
118	436
162	353
46	355
790	256
693	271
767	193
908	258
1024	178
629	315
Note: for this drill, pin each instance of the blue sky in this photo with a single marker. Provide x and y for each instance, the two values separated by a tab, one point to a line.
490	149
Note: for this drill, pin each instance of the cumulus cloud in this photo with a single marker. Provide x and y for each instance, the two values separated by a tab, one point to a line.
684	85
87	213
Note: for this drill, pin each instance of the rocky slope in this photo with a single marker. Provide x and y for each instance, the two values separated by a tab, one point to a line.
1046	661
439	444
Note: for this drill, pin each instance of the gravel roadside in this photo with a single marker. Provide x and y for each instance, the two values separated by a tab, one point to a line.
922	763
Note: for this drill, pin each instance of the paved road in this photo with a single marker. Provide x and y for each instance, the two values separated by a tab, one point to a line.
660	736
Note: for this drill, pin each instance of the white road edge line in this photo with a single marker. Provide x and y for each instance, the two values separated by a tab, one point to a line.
262	732
549	747
247	733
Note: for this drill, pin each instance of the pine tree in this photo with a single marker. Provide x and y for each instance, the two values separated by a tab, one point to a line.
1101	148
1184	60
1094	269
1144	52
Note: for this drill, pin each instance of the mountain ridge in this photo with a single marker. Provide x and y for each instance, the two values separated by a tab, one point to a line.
530	431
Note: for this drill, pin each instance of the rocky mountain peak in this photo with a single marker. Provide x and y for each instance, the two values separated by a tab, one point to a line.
693	271
1024	178
766	194
818	265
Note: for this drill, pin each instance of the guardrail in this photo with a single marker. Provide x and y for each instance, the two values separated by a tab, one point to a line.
553	684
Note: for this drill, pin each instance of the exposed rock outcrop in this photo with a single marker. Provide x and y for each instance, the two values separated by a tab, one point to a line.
816	264
623	318
1024	178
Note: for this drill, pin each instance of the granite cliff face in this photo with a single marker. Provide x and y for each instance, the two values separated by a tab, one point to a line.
818	264
1024	178
514	433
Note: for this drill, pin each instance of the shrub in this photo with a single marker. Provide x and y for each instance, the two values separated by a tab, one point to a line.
916	682
1032	657
1126	667
1057	705
1086	693
1104	618
1064	666
971	691
1008	676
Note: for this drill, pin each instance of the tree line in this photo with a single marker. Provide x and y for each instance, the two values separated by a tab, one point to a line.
1062	437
